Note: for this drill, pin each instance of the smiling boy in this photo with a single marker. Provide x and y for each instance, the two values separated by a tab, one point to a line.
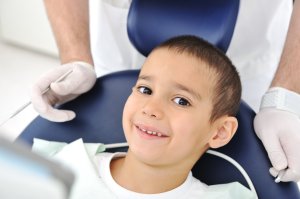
184	102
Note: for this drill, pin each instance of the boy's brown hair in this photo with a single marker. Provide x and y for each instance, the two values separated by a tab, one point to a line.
227	91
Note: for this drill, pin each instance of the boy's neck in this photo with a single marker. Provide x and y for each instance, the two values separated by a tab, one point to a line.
142	178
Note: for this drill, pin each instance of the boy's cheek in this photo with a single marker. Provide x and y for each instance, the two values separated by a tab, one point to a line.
134	101
130	106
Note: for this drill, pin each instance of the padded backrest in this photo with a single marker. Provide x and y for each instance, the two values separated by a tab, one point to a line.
99	119
99	111
151	22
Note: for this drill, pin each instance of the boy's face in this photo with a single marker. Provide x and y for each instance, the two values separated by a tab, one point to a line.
166	118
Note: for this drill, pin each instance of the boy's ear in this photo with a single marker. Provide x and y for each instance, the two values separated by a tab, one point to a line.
224	131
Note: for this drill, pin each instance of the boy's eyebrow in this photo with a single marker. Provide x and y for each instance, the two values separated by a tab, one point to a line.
145	77
189	90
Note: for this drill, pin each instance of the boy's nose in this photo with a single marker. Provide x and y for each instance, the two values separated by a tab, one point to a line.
153	109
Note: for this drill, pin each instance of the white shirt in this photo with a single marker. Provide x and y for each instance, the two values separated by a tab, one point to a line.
191	188
255	48
94	179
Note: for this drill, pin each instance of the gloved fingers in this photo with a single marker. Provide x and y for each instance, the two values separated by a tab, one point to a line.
275	152
43	103
279	132
56	115
38	101
79	81
82	78
290	175
51	76
268	134
274	172
285	175
37	91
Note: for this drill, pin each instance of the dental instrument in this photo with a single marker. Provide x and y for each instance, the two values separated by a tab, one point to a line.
62	77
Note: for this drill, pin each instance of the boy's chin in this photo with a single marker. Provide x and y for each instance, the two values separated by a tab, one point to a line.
146	156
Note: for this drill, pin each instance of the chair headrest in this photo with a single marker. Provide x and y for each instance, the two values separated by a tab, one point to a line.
151	22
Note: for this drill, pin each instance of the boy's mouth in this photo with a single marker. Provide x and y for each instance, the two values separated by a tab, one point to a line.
150	131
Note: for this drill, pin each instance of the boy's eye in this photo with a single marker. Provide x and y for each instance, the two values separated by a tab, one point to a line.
181	101
144	90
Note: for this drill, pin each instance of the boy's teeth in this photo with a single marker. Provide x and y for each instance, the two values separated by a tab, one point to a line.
151	132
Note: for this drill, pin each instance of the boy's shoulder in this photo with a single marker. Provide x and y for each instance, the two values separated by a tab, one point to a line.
233	190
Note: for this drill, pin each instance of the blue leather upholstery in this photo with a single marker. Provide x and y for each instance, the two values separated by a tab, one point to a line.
99	111
99	119
152	22
98	114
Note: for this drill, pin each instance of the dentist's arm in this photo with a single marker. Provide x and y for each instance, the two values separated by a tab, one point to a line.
277	123
69	20
287	74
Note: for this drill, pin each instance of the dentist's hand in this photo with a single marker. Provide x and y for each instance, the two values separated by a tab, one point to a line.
279	130
81	80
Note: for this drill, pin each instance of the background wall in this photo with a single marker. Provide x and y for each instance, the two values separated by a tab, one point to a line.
25	23
27	49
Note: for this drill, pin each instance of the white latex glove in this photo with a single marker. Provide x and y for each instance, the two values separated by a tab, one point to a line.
279	130
81	80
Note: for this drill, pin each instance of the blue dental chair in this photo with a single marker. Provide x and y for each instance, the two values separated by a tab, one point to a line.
99	111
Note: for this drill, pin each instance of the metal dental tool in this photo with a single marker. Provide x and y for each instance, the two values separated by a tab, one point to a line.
28	103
